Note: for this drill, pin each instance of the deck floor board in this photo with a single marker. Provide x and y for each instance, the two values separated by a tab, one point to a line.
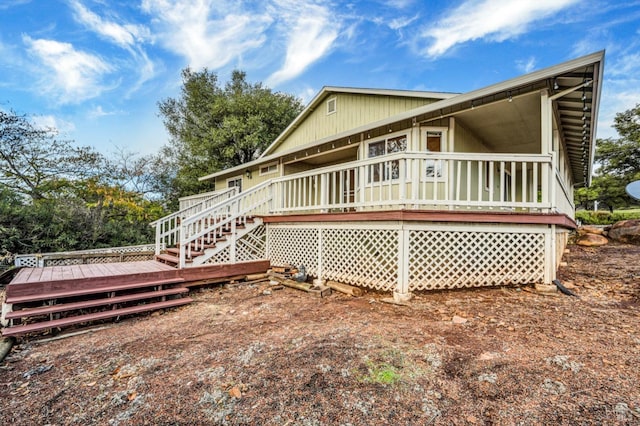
50	273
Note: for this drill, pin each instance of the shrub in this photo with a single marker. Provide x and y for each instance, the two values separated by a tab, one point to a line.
602	217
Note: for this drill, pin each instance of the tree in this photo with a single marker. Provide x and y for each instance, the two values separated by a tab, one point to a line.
56	197
618	163
214	127
34	163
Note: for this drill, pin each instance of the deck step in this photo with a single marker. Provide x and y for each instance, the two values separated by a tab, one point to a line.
169	259
176	252
63	322
91	290
63	307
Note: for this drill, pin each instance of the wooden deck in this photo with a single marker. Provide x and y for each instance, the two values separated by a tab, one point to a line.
39	299
56	273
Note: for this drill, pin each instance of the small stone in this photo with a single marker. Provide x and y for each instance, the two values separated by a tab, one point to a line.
458	320
267	292
235	392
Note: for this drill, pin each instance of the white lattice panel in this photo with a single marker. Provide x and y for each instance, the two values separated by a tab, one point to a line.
294	246
441	259
223	256
252	246
364	257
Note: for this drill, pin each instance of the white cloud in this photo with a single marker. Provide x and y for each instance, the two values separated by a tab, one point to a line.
199	31
76	76
126	35
493	20
526	65
399	23
312	31
98	111
51	122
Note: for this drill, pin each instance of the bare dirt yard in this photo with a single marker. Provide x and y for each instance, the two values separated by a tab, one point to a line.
250	355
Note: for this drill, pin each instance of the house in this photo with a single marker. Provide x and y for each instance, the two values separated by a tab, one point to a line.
404	191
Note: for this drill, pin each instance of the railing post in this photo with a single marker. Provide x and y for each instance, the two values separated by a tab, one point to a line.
552	183
402	170
182	238
232	243
324	193
158	225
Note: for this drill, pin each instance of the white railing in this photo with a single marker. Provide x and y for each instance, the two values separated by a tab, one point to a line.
409	180
563	197
190	200
167	227
204	228
420	180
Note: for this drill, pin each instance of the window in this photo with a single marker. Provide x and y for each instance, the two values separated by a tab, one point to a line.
268	169
331	106
390	169
433	143
235	182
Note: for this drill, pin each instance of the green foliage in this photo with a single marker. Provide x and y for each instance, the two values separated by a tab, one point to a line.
214	127
618	163
54	197
36	164
602	217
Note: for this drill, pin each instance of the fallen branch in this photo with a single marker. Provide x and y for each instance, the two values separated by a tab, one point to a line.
345	288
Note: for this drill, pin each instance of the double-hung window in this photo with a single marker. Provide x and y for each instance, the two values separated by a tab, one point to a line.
388	169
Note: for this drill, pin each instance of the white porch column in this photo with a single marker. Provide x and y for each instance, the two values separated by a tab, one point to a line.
546	143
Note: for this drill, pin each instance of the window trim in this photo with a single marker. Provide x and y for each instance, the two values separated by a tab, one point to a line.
385	139
331	101
236	178
424	131
268	165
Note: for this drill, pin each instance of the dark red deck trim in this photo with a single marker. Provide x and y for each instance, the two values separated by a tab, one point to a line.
430	216
116	276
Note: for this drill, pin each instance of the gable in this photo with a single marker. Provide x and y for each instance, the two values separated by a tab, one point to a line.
339	112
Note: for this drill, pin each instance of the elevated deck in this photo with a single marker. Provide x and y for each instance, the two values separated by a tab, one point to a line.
38	299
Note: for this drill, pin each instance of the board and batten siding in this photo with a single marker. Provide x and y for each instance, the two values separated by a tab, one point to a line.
352	110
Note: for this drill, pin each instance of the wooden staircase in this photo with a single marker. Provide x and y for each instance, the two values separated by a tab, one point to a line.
209	245
39	306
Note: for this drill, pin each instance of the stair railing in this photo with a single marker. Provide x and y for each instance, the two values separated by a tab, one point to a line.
168	227
203	229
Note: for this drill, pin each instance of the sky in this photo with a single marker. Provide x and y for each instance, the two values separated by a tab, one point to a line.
96	69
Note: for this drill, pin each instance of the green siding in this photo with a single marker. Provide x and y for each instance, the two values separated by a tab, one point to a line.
352	110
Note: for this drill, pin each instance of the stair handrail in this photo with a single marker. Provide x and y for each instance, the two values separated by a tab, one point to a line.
198	228
167	227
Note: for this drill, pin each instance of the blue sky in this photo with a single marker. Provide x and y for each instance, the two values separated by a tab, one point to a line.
96	69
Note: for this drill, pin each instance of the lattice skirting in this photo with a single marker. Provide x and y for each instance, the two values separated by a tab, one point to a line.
251	246
436	255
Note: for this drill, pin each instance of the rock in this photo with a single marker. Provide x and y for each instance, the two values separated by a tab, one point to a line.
458	320
626	231
235	392
588	229
591	240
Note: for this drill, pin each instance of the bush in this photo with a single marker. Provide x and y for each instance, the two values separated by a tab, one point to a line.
603	217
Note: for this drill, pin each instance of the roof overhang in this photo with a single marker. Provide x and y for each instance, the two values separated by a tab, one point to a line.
566	84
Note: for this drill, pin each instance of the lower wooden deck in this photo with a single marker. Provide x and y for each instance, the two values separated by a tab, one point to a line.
55	279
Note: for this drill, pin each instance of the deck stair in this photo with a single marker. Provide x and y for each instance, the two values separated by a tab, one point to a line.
58	305
194	237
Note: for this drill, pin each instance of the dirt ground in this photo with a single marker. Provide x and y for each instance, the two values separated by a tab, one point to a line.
250	355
